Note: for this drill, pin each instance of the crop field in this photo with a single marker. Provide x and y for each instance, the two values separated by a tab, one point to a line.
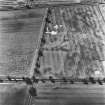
19	33
75	42
13	94
70	95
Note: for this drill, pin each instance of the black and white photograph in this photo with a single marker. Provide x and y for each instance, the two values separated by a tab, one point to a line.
52	52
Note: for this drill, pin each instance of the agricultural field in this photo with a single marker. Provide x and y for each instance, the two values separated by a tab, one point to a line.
75	42
13	94
70	95
19	33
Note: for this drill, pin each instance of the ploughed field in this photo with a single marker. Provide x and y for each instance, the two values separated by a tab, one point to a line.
13	94
67	94
74	42
19	33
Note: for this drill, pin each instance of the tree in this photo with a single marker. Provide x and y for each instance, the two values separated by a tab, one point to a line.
33	91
